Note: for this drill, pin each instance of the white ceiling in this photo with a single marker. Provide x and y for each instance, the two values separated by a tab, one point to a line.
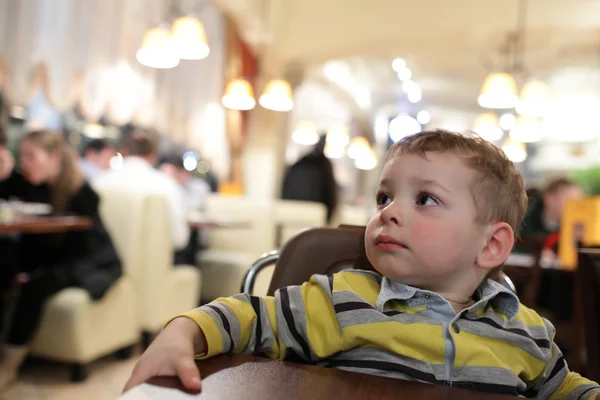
449	45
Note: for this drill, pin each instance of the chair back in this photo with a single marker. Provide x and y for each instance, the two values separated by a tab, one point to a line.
319	251
253	232
588	288
139	225
291	217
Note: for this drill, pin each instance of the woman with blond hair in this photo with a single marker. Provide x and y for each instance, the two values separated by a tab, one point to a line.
43	264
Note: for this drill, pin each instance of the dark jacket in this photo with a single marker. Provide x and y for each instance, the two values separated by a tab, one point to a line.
311	179
83	258
533	224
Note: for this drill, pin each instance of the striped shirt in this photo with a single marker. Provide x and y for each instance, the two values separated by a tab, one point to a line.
360	321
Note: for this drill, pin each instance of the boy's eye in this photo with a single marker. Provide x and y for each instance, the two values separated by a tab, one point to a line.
383	199
425	199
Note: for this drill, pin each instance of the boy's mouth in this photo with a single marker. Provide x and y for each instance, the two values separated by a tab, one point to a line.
386	242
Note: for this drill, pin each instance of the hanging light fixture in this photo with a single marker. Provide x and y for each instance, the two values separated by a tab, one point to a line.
403	125
157	50
515	151
486	126
534	98
527	130
499	91
305	134
337	136
358	147
189	38
277	96
333	151
366	161
239	95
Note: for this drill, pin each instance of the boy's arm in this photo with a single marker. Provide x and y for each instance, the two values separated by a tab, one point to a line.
299	320
557	382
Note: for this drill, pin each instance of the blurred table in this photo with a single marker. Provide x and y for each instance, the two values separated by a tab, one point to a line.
237	376
198	220
45	224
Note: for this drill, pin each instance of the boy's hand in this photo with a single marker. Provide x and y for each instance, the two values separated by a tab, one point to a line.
172	354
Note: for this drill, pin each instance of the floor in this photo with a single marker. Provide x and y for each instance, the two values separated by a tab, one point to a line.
40	380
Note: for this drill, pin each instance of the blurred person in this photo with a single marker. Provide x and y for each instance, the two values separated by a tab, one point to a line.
6	159
43	264
96	158
545	211
194	192
311	179
138	174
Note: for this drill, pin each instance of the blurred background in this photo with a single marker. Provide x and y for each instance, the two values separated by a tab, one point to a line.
281	111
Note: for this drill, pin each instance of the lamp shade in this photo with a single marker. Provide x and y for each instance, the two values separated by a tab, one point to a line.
277	96
527	130
499	91
333	151
337	136
157	50
358	147
189	38
515	151
486	126
239	95
534	99
366	161
305	134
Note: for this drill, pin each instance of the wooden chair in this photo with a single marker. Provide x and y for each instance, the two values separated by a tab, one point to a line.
314	251
587	308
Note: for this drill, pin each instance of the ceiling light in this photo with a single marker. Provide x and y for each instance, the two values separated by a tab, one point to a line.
277	96
486	126
534	99
239	95
337	136
414	96
515	151
423	117
404	74
333	151
398	64
189	38
305	134
157	50
499	91
402	126
358	147
367	161
528	130
507	121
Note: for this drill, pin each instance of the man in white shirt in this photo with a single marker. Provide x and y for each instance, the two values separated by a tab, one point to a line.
138	173
96	158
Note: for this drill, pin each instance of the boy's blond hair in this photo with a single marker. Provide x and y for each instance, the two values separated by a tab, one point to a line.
498	190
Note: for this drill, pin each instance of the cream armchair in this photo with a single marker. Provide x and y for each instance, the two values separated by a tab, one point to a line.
232	249
291	217
76	330
139	224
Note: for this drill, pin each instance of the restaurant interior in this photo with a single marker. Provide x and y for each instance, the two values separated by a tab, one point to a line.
271	117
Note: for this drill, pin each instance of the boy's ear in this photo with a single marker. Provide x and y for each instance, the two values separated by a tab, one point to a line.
499	244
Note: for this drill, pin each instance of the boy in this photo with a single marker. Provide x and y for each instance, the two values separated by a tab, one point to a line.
447	209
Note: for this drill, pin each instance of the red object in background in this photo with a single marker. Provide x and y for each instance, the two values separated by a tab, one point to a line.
551	241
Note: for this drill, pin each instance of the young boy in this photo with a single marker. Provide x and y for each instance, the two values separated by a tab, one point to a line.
448	207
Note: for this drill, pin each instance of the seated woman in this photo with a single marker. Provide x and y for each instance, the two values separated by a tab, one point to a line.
43	264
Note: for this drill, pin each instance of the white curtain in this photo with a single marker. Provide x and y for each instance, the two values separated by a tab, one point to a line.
82	52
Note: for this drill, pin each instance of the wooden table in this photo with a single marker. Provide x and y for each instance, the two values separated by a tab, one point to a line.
209	224
46	224
237	376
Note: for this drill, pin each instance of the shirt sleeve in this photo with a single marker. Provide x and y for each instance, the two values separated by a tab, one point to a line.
557	382
298	321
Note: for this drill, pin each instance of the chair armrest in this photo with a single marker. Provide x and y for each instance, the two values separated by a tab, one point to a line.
260	264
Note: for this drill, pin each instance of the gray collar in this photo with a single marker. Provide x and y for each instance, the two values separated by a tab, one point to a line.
489	292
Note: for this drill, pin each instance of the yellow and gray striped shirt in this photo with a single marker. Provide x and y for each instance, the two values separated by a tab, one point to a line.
360	321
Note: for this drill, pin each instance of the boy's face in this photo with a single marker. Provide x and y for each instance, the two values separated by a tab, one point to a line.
424	232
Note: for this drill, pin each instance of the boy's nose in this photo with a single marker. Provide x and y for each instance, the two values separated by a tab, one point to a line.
392	214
